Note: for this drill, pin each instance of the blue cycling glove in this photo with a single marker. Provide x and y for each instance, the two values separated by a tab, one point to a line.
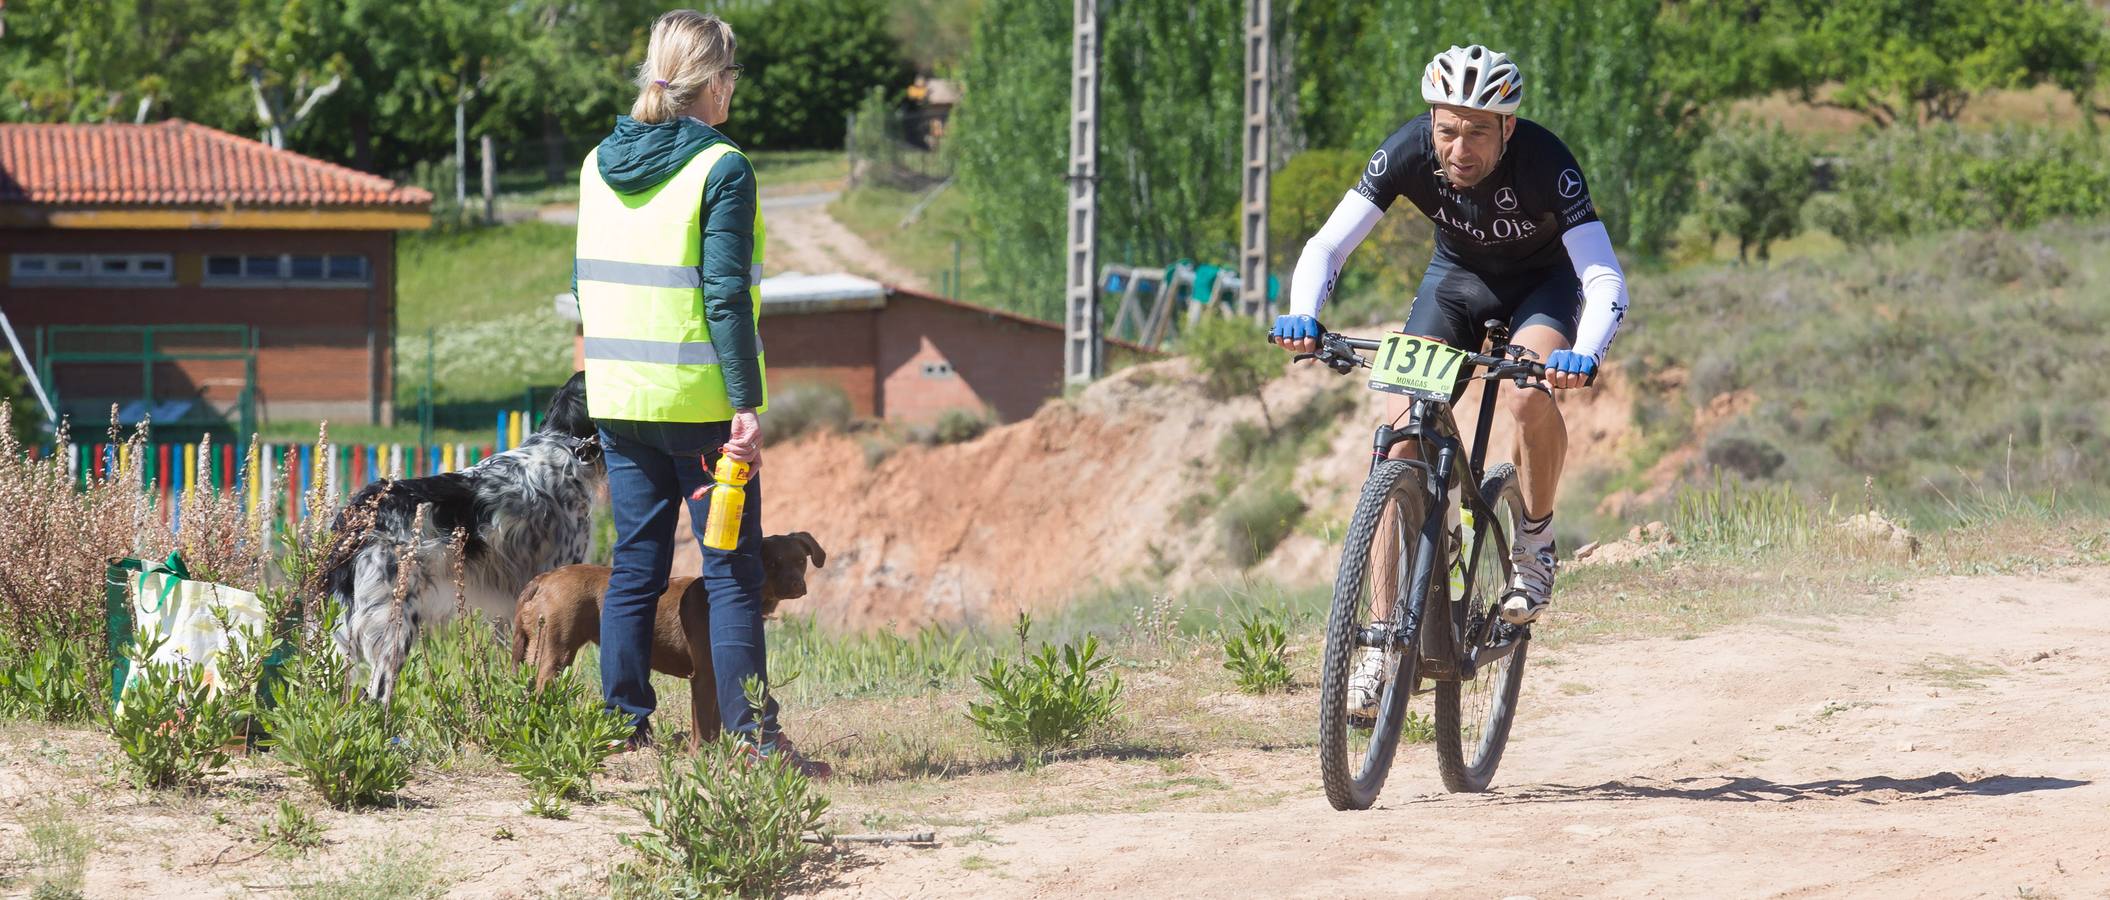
1573	363
1296	328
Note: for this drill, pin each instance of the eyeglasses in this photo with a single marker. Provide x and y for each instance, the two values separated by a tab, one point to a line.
735	69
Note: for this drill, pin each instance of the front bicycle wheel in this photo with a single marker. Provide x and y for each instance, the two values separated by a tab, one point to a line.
1370	603
1473	717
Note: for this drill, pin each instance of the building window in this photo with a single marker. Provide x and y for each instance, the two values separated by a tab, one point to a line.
940	369
340	270
91	268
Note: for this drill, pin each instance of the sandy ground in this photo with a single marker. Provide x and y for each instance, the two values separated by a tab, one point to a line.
1953	746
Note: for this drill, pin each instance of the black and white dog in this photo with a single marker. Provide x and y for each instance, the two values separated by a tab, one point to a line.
523	512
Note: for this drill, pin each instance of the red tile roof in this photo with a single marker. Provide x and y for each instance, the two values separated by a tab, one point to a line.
177	163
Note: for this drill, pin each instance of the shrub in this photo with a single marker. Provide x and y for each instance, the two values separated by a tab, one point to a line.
1257	655
48	678
341	745
59	846
54	539
1255	520
176	722
1910	180
954	426
458	690
23	411
1233	355
1049	701
292	828
1753	181
723	821
1737	450
557	738
804	408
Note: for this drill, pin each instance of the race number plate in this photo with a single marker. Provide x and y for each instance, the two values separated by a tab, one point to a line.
1415	366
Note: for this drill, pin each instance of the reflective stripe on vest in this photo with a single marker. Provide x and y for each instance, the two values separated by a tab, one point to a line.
647	341
665	353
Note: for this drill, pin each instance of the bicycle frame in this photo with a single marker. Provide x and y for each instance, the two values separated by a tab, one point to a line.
1447	653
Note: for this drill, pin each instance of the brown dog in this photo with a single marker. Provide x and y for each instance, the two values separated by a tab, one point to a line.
560	612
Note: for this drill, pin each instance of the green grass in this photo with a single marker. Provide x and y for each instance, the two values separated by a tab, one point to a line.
484	295
925	246
1953	370
778	170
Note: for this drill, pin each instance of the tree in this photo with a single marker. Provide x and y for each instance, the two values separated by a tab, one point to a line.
25	413
112	61
1599	74
1169	106
809	63
1013	142
285	53
1894	61
1753	182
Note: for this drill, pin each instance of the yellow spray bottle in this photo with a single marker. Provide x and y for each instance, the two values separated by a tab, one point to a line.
721	528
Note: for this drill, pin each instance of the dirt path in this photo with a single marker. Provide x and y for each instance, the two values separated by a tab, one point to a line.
1954	745
804	238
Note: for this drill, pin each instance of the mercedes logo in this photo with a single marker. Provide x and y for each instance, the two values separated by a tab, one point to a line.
1570	183
1506	200
1377	164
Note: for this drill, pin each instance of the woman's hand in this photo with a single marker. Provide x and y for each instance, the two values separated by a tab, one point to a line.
745	444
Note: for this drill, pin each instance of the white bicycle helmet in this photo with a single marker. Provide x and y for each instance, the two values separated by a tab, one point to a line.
1473	78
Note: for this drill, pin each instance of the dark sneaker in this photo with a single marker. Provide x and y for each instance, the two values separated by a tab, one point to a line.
640	739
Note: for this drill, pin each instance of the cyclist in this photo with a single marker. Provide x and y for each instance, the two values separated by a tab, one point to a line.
1517	239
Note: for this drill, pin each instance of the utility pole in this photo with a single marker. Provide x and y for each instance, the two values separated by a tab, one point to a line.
1252	194
1082	349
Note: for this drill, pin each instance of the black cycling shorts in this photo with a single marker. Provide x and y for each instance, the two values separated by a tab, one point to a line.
1454	302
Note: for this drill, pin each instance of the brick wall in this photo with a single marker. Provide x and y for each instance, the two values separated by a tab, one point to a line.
839	348
935	355
322	351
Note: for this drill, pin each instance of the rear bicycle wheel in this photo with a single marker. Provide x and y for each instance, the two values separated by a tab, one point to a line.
1369	604
1473	717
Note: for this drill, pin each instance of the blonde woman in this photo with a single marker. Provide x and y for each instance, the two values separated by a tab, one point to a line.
670	244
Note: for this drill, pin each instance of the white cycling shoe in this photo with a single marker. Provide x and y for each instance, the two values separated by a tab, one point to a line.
1366	685
1533	588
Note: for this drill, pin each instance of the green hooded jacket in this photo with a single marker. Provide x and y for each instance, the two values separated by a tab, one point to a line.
636	157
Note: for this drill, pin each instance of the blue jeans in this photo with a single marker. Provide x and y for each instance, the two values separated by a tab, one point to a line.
652	466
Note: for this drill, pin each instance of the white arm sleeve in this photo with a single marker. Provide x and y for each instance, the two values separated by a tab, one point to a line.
1324	254
1603	286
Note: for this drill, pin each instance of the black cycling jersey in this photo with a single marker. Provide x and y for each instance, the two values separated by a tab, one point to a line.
1511	221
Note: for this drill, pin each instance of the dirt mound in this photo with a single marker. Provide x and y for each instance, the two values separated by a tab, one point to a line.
1084	496
1642	542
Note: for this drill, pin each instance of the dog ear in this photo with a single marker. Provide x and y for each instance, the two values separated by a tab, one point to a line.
813	548
567	409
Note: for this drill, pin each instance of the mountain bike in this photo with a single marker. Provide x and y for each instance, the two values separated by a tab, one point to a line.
1422	576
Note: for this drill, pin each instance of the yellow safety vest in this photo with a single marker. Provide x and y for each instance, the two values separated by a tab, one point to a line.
648	348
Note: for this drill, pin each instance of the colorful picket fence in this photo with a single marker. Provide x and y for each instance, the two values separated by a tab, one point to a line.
173	471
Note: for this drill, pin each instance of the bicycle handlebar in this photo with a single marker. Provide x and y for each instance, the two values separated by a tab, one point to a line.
1337	351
